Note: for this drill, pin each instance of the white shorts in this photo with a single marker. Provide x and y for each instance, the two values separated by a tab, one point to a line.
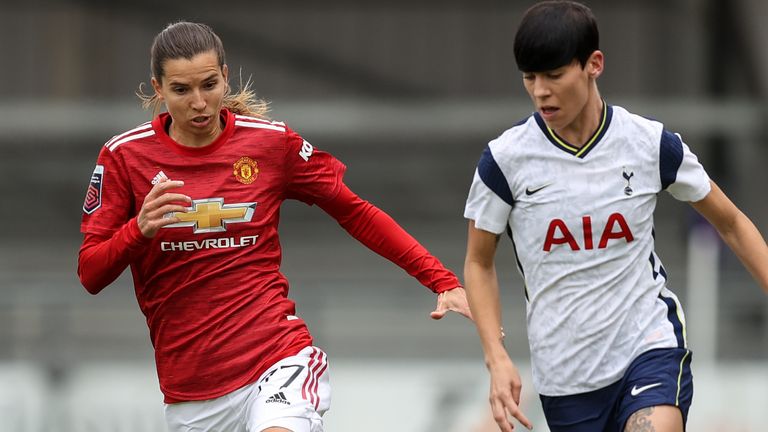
293	394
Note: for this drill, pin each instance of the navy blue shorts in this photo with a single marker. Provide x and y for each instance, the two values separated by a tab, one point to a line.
656	377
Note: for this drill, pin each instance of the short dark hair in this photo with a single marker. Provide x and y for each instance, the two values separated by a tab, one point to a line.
553	34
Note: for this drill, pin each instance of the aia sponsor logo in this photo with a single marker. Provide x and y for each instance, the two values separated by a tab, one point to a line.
558	233
93	194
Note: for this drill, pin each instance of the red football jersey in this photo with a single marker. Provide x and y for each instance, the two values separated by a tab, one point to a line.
209	286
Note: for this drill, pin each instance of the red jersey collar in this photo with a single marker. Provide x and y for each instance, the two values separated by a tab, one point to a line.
161	121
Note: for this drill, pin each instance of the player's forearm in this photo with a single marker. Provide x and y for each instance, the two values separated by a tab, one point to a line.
380	233
738	232
749	245
483	296
103	259
385	237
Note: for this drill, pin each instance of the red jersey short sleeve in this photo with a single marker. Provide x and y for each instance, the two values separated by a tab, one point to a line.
312	175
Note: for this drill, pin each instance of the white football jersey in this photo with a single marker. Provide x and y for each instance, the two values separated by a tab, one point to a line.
581	222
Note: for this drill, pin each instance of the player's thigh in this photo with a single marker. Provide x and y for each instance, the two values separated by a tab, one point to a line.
220	414
292	395
662	418
657	390
584	412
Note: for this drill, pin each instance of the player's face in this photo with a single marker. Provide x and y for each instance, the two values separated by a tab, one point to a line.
561	95
193	91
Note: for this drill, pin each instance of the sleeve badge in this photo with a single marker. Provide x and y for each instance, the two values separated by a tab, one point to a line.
93	195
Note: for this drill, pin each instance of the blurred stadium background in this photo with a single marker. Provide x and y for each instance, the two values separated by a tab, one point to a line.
407	94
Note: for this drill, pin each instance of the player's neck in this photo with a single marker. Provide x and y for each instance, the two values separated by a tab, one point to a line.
583	127
188	139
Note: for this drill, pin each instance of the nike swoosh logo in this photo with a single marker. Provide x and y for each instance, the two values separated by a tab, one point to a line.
529	191
637	390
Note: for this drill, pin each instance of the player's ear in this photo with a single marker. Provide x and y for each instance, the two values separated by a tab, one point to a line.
158	88
595	64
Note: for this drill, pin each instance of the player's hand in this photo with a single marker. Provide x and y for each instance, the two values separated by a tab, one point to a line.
452	300
505	396
158	203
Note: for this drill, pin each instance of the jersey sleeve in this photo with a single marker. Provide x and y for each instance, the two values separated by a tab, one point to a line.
108	200
375	229
681	173
112	238
490	199
102	259
312	175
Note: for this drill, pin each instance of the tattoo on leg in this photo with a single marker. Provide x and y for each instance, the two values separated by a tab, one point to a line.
640	421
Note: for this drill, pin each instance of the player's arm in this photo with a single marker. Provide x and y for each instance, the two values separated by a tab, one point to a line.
103	258
738	232
483	295
380	233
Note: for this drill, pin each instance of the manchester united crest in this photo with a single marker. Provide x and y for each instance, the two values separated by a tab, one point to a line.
245	170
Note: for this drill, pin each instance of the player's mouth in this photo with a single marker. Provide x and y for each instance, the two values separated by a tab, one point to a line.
201	121
548	112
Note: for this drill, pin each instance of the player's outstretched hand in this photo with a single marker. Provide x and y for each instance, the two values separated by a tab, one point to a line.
158	203
505	396
452	300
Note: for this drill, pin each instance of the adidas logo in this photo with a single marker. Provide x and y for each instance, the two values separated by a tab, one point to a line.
278	398
159	177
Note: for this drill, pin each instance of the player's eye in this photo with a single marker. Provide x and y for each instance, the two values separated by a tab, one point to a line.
179	90
528	77
210	85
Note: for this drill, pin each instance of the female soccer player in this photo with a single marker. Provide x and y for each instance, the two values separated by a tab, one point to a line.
575	185
191	202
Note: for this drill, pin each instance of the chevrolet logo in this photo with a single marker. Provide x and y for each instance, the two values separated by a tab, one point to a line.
212	215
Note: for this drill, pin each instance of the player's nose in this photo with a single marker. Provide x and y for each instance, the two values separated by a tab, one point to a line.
198	101
541	89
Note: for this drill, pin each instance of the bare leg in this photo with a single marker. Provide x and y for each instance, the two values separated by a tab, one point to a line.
662	418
